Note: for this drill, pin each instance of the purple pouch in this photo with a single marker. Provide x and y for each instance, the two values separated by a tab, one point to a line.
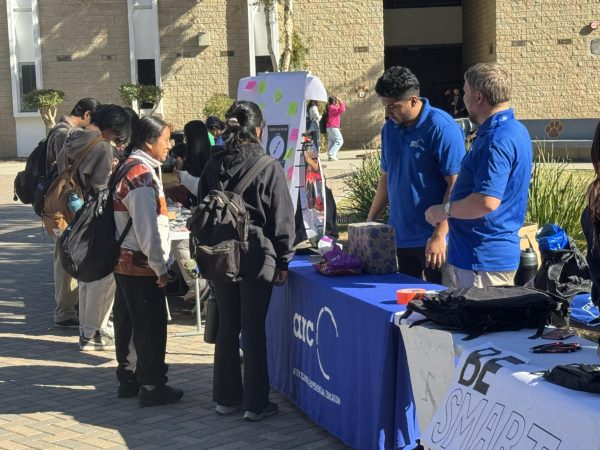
336	262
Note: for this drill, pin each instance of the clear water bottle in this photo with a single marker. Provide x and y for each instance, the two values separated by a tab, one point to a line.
74	202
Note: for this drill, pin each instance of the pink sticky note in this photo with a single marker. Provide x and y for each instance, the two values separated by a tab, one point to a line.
294	134
290	172
250	85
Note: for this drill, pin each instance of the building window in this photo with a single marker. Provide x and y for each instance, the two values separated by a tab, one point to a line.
396	4
146	74
26	82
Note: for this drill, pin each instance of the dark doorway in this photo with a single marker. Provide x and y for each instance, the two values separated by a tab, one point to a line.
437	67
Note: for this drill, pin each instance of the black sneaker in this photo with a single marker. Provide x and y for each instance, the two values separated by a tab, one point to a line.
128	389
270	410
69	323
161	395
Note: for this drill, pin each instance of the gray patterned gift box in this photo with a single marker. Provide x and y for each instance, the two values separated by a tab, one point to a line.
375	244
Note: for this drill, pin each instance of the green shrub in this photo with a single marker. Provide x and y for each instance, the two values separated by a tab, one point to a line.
46	101
557	195
217	105
43	98
129	92
361	187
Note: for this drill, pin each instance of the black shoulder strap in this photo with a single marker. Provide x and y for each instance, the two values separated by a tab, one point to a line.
249	176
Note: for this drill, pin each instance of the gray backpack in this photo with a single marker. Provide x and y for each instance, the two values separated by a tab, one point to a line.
219	229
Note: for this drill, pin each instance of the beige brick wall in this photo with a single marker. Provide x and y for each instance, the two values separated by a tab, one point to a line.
8	137
87	31
334	28
479	32
191	79
550	80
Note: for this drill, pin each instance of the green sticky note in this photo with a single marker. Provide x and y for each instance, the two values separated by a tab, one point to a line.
278	95
289	152
293	108
262	87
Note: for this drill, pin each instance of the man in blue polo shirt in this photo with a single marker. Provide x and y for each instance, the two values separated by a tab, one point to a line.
488	204
421	151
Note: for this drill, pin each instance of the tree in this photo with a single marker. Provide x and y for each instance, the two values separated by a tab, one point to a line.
46	101
270	8
288	32
142	94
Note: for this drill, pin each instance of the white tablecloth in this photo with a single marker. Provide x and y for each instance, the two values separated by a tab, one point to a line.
509	404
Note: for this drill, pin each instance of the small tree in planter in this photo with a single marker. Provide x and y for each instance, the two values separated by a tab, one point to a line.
46	101
143	94
217	105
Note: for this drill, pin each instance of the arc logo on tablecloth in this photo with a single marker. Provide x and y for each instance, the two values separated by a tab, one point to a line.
306	331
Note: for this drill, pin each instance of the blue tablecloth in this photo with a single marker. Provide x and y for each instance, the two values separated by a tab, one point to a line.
334	351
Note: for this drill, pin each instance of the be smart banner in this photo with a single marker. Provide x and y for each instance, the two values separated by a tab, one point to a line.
498	402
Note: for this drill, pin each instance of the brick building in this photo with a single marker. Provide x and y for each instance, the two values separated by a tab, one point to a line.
195	49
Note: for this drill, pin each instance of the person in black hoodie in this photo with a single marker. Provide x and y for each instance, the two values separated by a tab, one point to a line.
590	220
243	305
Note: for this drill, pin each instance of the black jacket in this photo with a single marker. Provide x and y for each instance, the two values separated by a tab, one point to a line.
267	200
593	254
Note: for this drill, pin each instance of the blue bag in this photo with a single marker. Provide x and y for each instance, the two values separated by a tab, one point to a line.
584	311
551	237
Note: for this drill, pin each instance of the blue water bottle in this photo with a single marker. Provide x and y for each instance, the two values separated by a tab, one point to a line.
75	202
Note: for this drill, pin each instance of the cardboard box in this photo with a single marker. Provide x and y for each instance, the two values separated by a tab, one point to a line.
375	244
527	235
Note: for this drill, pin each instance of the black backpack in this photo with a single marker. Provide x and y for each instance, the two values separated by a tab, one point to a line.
323	121
29	183
580	377
564	272
88	248
478	310
220	229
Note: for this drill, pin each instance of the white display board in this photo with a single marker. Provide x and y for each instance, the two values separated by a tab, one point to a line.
282	98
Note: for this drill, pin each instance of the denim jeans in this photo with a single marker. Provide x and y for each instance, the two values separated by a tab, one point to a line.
335	141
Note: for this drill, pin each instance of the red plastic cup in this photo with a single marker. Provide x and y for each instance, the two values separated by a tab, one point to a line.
403	296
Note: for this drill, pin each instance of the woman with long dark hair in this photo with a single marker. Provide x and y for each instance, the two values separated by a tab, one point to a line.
590	220
243	305
196	156
140	311
312	119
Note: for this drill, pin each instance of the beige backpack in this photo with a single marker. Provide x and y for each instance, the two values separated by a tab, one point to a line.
56	214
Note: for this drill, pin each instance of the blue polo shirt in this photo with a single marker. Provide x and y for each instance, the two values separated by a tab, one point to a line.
498	165
416	160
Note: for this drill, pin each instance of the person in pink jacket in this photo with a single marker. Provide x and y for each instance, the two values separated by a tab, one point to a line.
335	109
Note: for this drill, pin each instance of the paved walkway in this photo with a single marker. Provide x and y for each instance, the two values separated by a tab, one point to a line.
54	396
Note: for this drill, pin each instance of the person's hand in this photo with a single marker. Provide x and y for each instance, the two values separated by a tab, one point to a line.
435	214
280	277
162	280
435	251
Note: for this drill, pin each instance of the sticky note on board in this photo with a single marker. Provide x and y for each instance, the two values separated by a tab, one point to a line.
262	106
294	134
262	87
277	95
250	85
293	108
290	172
288	153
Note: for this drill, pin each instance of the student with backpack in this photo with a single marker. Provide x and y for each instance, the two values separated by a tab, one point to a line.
140	310
91	151
65	287
243	301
